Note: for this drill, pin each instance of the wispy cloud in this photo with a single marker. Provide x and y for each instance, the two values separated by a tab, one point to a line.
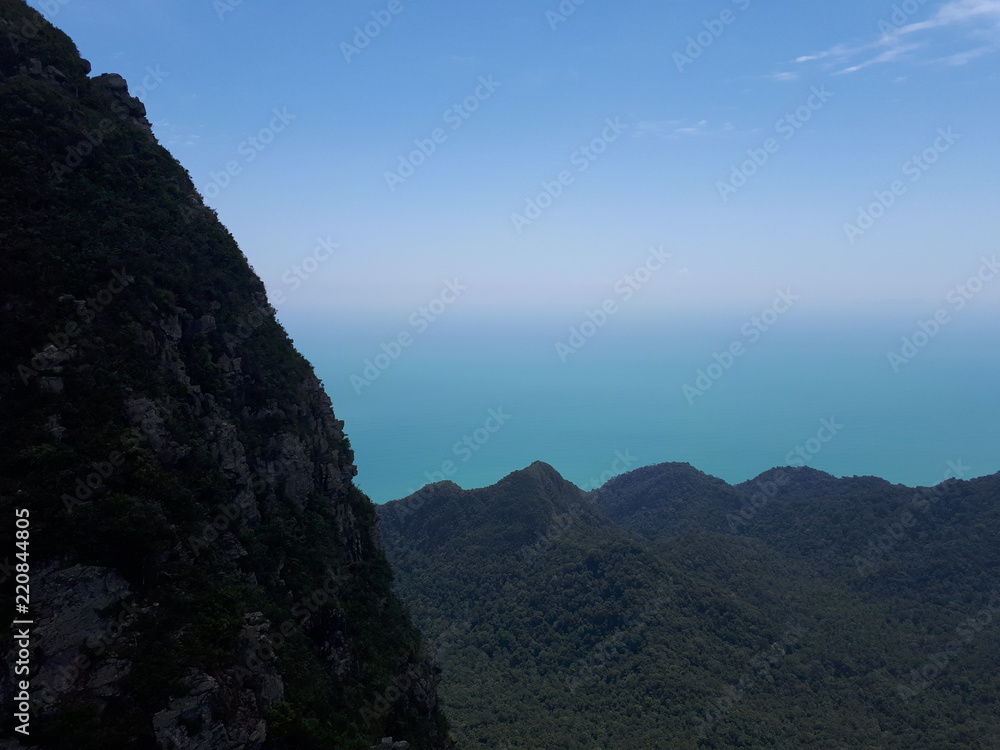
957	12
840	51
783	76
972	19
884	57
679	128
960	58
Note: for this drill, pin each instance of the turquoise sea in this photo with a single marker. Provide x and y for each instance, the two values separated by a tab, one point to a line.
472	401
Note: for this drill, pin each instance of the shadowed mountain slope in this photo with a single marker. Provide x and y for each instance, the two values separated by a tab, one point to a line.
203	571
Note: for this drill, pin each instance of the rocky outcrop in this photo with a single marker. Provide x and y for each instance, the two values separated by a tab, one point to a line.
83	612
189	722
116	88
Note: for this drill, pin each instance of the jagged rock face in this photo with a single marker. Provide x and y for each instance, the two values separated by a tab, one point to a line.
70	620
190	721
205	573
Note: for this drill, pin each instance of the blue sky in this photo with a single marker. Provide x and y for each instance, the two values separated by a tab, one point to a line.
696	90
485	179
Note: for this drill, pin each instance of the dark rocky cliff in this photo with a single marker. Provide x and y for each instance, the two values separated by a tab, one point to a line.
204	574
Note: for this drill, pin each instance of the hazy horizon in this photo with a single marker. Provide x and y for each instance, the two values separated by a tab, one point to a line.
623	392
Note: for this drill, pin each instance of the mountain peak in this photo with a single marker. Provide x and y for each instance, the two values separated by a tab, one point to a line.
510	513
819	484
667	499
538	472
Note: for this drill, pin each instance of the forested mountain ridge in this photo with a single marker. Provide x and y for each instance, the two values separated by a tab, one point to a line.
203	571
672	609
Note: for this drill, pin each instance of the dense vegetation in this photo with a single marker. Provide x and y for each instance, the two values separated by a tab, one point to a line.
159	426
670	609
